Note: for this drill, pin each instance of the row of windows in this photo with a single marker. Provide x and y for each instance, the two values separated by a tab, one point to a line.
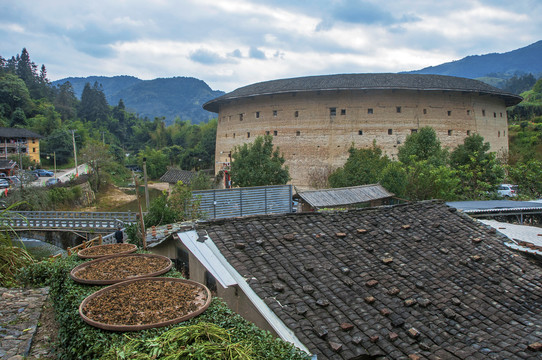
333	112
360	132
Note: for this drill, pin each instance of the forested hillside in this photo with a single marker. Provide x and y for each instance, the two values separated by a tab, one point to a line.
166	98
104	132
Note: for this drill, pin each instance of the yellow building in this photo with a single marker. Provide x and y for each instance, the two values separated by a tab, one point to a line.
314	120
14	141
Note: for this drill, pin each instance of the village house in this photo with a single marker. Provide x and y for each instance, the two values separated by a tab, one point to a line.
14	141
8	167
173	176
406	281
346	197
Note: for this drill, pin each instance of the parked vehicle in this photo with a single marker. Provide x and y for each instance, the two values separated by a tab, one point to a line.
14	180
28	177
4	184
43	172
52	181
507	190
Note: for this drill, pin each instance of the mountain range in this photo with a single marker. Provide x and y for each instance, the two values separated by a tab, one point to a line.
163	97
183	96
493	67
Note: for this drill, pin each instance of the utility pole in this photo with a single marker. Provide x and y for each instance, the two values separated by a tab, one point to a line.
142	221
75	153
146	186
21	168
54	157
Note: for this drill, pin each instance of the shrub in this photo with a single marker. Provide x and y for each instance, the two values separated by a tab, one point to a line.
12	258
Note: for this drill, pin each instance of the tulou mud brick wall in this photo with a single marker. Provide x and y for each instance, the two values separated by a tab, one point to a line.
314	130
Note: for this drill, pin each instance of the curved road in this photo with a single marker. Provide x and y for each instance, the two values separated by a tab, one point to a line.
63	175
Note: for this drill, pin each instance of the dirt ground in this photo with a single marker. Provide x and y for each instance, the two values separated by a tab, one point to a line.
115	196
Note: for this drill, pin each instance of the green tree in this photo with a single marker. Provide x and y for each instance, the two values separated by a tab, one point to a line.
26	69
46	119
93	106
174	154
364	166
18	118
422	145
537	88
160	213
394	178
181	201
98	157
156	162
121	123
519	84
528	176
201	181
13	95
59	142
65	101
477	168
257	164
427	181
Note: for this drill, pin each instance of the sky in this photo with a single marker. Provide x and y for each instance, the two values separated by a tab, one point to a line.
233	43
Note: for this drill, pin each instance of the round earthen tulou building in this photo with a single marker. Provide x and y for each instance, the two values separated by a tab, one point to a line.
314	120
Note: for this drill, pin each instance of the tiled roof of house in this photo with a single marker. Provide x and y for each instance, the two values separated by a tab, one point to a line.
18	133
7	164
363	82
419	279
173	176
344	196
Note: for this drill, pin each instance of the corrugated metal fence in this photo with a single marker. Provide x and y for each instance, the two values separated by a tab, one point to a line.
258	200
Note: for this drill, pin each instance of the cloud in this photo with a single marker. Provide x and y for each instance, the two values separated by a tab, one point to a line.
207	57
236	53
359	11
255	53
231	43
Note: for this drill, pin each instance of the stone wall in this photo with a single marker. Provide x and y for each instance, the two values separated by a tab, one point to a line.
314	130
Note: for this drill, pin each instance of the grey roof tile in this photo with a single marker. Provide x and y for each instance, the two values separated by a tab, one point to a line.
459	307
173	176
18	133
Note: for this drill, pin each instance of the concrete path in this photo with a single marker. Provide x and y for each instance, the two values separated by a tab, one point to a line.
20	311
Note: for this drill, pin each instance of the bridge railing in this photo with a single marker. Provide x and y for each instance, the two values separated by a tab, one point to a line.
67	219
98	240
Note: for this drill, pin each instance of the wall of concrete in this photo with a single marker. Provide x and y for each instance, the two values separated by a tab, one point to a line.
311	137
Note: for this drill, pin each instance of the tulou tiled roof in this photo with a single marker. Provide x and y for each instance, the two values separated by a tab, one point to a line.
173	176
383	81
419	280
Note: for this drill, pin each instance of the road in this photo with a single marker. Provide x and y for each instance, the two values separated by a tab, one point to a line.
63	175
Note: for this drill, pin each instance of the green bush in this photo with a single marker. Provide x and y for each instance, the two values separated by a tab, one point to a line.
78	340
63	195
